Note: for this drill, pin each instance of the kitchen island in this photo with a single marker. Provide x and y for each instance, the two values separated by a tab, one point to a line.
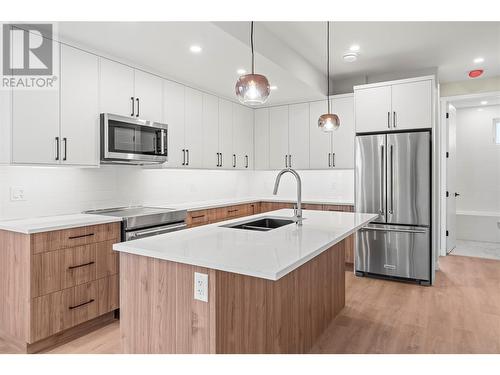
270	291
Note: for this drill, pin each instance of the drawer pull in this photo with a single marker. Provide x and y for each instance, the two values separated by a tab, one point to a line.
80	236
81	304
197	217
80	265
230	211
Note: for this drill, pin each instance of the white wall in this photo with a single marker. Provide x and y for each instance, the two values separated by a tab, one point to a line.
59	190
478	160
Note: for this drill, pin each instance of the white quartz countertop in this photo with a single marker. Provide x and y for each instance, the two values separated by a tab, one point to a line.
49	223
214	203
269	255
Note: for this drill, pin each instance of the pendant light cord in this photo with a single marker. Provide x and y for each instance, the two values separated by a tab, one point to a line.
251	43
328	63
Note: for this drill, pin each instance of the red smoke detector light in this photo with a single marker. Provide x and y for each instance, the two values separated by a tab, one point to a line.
475	73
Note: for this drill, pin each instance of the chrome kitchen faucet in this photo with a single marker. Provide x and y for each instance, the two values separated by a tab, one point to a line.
298	208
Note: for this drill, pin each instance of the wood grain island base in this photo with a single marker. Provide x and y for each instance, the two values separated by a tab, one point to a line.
244	314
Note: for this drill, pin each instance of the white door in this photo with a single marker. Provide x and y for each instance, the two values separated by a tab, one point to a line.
148	96
343	137
211	156
173	109
261	138
299	136
226	133
117	88
320	142
412	105
278	137
194	128
35	123
79	107
451	171
243	136
373	109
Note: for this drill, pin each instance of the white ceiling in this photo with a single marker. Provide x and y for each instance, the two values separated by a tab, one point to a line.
292	54
476	102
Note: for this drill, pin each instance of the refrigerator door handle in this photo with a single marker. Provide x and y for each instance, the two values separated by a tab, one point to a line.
400	230
382	169
391	211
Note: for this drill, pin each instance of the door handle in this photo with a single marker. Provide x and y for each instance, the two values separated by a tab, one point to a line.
218	164
57	148
137	115
389	120
394	119
333	159
183	157
187	156
221	159
290	160
246	158
234	160
286	161
391	211
382	169
132	98
65	141
329	160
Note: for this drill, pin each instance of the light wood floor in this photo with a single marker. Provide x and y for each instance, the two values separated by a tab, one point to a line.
459	314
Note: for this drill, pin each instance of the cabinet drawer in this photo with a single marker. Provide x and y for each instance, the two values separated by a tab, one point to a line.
196	218
64	309
232	212
341	208
61	239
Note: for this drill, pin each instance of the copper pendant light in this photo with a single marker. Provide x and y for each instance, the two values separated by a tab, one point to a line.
252	89
328	122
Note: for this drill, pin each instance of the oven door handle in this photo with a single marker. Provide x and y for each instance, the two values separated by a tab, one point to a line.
154	231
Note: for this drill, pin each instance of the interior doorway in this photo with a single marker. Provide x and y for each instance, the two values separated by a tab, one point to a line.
473	176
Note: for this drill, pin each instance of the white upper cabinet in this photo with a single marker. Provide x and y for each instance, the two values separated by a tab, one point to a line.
35	123
193	133
373	109
343	137
320	142
412	105
298	134
147	96
226	134
117	88
174	111
243	136
396	105
261	138
278	137
79	107
211	157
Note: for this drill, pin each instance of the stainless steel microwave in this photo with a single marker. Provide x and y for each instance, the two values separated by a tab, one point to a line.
126	140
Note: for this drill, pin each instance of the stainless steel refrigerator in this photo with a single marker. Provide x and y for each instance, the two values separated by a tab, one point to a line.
393	179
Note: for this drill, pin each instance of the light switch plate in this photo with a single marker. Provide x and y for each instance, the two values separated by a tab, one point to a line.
201	286
17	193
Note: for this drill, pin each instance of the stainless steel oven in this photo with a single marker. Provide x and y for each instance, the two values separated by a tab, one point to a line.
126	140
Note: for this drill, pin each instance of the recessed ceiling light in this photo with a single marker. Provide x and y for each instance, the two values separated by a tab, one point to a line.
484	102
195	48
354	48
241	71
350	56
478	60
274	87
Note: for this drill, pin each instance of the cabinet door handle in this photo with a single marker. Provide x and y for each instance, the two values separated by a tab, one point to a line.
221	159
290	160
333	159
137	115
80	265
389	120
234	160
183	157
133	111
394	119
57	148
80	236
329	160
81	304
217	159
286	161
187	156
65	140
246	158
197	217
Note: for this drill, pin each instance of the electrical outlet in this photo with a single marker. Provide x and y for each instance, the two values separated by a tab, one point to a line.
201	286
17	193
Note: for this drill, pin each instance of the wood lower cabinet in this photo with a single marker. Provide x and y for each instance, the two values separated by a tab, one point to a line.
63	281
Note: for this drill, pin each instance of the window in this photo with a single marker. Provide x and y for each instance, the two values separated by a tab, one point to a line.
496	130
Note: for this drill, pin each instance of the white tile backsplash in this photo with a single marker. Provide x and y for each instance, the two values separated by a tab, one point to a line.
61	190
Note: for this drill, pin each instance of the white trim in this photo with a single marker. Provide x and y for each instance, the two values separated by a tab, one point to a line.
395	82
